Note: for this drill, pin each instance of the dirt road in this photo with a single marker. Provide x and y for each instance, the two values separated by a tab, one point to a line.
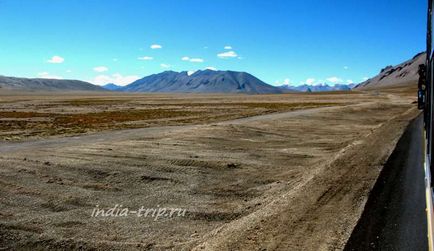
127	134
132	133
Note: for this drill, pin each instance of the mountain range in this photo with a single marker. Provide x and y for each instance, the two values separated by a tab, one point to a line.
317	87
210	81
42	84
206	81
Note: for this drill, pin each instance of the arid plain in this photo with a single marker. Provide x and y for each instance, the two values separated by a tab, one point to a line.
253	172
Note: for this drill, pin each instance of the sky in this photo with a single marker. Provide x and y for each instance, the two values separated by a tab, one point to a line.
278	41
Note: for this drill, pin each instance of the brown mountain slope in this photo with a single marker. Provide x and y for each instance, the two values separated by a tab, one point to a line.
40	84
404	74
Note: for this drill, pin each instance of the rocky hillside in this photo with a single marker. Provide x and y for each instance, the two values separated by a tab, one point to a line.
39	84
404	74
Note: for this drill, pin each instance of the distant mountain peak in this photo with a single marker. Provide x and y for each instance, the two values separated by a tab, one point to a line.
112	87
202	81
321	87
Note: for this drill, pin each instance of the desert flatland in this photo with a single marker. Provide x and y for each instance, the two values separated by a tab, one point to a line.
251	171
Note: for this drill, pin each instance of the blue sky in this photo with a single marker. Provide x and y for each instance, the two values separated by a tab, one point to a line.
278	41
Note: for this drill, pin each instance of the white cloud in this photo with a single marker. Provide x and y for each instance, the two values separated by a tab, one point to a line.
189	73
100	69
193	60
56	60
156	46
147	58
68	71
349	81
286	81
228	47
334	80
196	60
227	54
310	81
115	78
49	76
165	66
365	78
346	67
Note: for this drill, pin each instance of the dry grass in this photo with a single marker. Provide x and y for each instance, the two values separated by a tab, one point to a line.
286	106
94	119
88	102
15	114
18	125
41	118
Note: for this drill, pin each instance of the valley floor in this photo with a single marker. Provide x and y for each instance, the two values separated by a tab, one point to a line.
273	172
